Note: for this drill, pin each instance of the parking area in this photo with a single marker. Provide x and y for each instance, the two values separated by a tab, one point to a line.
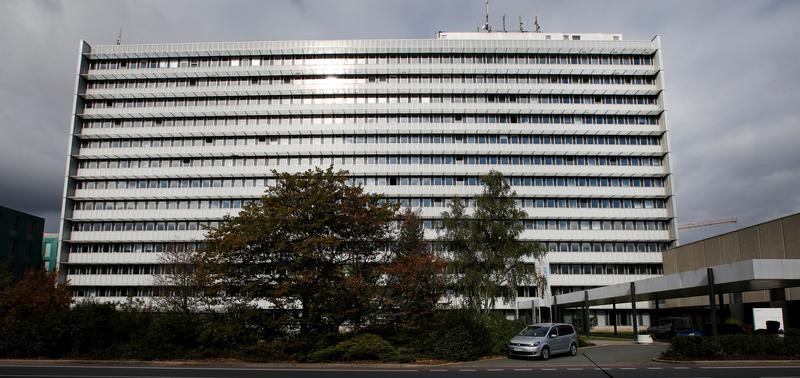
606	355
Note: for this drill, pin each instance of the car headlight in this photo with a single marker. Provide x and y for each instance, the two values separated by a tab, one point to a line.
536	343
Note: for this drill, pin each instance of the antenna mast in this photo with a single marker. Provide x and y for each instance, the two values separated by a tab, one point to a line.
119	37
504	23
537	28
486	25
521	29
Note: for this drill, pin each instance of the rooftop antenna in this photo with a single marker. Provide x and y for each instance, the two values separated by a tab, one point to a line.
486	25
504	23
537	28
119	37
521	28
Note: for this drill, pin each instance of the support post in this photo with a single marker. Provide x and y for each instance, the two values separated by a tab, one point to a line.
777	299
554	312
712	300
614	315
633	311
586	312
737	307
656	314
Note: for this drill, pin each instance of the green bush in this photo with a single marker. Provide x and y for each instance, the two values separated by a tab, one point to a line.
92	329
460	335
366	347
735	346
172	336
583	341
266	351
501	331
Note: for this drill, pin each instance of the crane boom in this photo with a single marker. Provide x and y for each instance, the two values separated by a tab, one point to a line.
707	223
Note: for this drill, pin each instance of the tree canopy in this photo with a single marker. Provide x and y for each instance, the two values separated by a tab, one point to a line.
485	255
308	249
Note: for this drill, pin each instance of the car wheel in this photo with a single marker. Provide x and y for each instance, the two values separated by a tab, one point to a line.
545	353
573	350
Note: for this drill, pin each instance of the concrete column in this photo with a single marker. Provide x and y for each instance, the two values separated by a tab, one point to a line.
614	315
777	299
737	307
712	300
654	318
586	312
554	311
633	311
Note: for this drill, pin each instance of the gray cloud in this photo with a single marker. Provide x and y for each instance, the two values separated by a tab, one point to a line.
731	73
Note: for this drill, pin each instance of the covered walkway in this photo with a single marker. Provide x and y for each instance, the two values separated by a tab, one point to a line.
736	277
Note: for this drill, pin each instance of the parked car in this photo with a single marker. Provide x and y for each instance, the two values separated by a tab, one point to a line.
543	340
667	328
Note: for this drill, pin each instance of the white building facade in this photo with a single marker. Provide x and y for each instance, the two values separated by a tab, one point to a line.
167	138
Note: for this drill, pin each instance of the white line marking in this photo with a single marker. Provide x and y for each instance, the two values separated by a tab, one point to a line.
549	369
681	368
628	368
751	367
523	369
495	369
438	370
467	370
574	368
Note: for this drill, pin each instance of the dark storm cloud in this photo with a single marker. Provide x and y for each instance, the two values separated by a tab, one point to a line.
732	78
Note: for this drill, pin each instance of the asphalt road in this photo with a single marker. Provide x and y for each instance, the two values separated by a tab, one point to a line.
616	360
97	371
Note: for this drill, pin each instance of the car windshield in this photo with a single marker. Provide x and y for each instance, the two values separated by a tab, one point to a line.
535	331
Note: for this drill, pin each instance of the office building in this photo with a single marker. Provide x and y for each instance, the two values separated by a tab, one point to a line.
20	244
167	138
50	251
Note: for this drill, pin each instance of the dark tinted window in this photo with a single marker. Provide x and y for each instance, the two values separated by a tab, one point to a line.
565	330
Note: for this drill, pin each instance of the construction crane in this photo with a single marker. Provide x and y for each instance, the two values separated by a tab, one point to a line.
707	223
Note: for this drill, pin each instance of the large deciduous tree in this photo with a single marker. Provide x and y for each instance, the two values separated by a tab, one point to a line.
308	249
414	275
33	313
485	255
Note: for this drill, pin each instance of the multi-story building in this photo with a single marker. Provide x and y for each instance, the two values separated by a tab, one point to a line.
20	244
167	138
50	251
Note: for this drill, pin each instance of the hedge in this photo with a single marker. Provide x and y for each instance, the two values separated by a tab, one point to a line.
735	347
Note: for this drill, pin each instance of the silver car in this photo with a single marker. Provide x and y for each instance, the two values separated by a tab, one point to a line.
543	340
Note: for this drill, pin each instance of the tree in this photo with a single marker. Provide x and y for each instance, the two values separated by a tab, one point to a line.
32	316
414	276
308	249
178	286
486	258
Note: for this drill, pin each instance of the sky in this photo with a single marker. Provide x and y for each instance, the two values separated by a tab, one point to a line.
732	72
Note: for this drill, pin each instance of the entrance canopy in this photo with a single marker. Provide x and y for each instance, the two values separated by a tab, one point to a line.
747	275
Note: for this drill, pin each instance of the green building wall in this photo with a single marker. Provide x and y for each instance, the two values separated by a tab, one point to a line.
20	243
49	251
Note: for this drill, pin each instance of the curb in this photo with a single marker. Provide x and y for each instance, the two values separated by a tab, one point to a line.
222	363
723	362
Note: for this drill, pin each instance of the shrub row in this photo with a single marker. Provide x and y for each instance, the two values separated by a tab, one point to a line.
735	347
102	331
